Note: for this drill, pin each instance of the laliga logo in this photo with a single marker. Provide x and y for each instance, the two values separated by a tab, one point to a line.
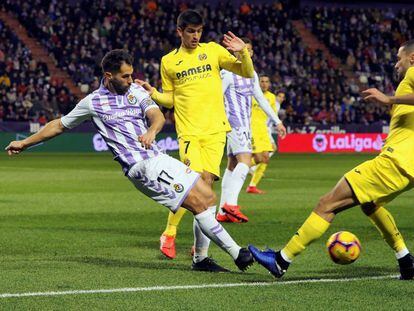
353	142
319	143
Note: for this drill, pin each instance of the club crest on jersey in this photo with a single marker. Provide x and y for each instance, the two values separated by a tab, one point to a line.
178	188
202	56
132	100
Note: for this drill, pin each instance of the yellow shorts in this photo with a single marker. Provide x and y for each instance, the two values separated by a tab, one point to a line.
378	180
203	152
261	141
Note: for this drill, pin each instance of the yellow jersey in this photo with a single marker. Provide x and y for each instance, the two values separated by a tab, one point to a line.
193	75
399	144
259	117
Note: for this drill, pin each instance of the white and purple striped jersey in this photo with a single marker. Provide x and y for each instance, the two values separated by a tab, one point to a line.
238	92
120	119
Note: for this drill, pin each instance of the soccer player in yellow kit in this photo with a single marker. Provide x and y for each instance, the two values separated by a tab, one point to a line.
191	84
262	144
371	184
280	98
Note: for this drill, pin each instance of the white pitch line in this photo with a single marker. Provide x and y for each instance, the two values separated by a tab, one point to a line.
187	287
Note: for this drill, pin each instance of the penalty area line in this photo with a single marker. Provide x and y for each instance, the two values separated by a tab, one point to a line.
189	287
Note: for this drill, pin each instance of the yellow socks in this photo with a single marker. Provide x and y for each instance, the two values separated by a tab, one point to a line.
315	226
258	174
173	221
253	162
312	229
385	224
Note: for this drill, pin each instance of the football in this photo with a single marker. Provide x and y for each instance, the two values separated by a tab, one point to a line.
343	247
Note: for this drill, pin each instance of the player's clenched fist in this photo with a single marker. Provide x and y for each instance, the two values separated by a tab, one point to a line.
15	147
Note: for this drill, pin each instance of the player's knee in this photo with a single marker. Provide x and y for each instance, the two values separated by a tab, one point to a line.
324	205
208	178
368	208
210	198
195	202
266	159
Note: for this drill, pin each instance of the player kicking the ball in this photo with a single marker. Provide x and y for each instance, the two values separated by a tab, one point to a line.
371	184
119	110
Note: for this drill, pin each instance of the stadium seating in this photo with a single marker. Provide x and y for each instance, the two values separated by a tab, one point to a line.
79	33
27	92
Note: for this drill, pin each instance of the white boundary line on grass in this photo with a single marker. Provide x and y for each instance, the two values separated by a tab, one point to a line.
187	287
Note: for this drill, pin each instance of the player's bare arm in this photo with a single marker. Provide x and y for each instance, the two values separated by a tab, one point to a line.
374	95
157	120
50	130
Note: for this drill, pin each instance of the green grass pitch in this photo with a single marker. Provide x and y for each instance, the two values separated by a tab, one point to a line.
74	222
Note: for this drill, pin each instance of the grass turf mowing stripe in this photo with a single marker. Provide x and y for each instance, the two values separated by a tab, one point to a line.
187	287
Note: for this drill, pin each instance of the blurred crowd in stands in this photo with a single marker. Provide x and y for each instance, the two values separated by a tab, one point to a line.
27	92
79	33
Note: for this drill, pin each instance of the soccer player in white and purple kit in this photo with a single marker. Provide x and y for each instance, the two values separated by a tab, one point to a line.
238	93
119	110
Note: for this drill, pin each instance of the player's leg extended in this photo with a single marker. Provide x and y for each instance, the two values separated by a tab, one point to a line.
338	199
200	201
375	183
189	148
385	223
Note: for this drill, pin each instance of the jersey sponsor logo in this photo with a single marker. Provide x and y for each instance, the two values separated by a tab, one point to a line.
193	71
202	56
120	114
178	188
132	99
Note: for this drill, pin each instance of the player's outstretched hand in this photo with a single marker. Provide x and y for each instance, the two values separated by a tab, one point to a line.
15	147
145	85
233	43
281	130
147	139
373	95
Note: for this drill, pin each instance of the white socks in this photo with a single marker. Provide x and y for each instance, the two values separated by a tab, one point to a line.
225	188
213	229
238	176
402	253
232	184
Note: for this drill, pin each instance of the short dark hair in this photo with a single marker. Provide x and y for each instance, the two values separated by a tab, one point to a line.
112	61
262	75
246	40
408	46
189	17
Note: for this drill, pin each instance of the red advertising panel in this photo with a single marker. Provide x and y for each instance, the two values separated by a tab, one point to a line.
358	142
